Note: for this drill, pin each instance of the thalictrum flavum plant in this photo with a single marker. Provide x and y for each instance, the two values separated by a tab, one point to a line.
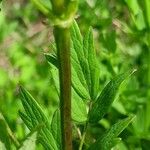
76	74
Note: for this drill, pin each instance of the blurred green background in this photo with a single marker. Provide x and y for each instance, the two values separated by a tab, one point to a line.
122	40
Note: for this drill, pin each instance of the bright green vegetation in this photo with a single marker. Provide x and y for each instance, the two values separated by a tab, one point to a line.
89	77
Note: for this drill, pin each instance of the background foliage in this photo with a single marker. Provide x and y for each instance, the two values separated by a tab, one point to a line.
122	39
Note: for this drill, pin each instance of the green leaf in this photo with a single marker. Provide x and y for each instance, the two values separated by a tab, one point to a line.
4	136
110	38
2	146
142	122
79	63
79	112
85	63
85	68
77	42
107	96
36	116
52	59
43	6
26	119
147	11
133	5
136	13
78	86
92	72
109	139
76	81
56	128
30	142
145	144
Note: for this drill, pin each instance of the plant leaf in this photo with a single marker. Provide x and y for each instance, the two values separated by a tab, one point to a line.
92	73
52	59
79	112
26	119
76	81
4	136
147	11
85	68
107	96
145	144
43	6
2	146
78	86
30	142
56	128
80	66
137	13
37	117
109	139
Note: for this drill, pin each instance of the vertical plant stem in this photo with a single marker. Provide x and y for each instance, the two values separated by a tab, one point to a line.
85	129
83	136
10	133
62	38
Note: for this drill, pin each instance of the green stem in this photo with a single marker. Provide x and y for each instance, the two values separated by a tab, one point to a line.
41	7
10	133
13	138
83	136
85	129
62	38
58	6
